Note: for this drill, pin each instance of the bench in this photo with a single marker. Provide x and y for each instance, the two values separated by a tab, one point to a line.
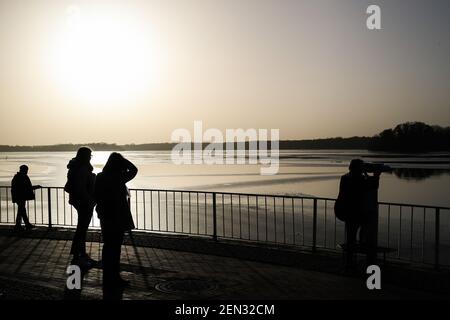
363	250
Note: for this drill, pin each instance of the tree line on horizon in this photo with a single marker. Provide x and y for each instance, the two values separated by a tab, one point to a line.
412	137
405	137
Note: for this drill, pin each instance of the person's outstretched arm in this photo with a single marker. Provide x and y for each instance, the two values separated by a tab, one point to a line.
29	185
373	182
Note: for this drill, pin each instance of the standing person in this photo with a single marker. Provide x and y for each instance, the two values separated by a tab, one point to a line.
369	227
351	202
80	186
21	191
113	210
355	204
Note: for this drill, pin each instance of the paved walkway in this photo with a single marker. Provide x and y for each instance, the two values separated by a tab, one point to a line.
34	268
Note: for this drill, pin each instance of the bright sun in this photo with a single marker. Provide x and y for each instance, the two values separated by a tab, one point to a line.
105	56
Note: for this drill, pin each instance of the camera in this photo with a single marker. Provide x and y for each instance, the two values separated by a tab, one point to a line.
376	167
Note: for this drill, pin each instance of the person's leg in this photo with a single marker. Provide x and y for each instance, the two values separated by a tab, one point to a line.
20	208
363	234
351	229
371	244
79	240
74	250
111	257
118	240
106	255
84	226
22	214
368	237
25	216
113	285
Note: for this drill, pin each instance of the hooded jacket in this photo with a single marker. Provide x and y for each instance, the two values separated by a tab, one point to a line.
112	198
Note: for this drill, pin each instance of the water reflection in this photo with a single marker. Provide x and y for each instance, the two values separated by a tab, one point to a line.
418	174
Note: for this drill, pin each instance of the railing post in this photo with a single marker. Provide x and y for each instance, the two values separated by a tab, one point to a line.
437	240
314	244
214	217
49	205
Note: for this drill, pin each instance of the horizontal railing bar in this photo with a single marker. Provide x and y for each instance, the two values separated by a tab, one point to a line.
238	193
413	205
273	196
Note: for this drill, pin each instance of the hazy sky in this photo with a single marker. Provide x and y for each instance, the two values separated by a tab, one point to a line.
134	71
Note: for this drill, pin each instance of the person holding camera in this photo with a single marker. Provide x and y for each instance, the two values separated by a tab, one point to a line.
369	228
21	191
114	212
357	207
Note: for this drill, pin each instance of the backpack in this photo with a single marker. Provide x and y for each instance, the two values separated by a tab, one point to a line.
340	210
68	187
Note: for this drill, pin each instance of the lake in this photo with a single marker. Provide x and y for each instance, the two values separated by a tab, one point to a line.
419	178
415	179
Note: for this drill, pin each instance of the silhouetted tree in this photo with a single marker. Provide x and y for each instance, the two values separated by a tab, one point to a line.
412	137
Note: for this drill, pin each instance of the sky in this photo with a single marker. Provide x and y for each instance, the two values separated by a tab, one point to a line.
135	71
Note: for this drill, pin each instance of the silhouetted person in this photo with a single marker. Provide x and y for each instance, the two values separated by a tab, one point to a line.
80	186
369	228
115	217
21	191
355	192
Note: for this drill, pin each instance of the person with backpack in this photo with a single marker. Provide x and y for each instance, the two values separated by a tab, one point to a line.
80	186
22	191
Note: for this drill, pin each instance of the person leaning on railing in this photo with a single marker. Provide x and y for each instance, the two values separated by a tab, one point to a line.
21	191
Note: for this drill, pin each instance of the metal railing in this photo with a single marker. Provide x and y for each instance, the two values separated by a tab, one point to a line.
417	233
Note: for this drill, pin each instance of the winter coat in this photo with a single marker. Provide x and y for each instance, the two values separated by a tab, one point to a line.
21	188
112	196
80	184
354	199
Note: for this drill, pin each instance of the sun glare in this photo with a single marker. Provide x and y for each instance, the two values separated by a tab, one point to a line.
105	56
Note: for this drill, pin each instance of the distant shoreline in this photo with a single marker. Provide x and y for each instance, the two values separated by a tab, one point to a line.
408	137
354	143
351	144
